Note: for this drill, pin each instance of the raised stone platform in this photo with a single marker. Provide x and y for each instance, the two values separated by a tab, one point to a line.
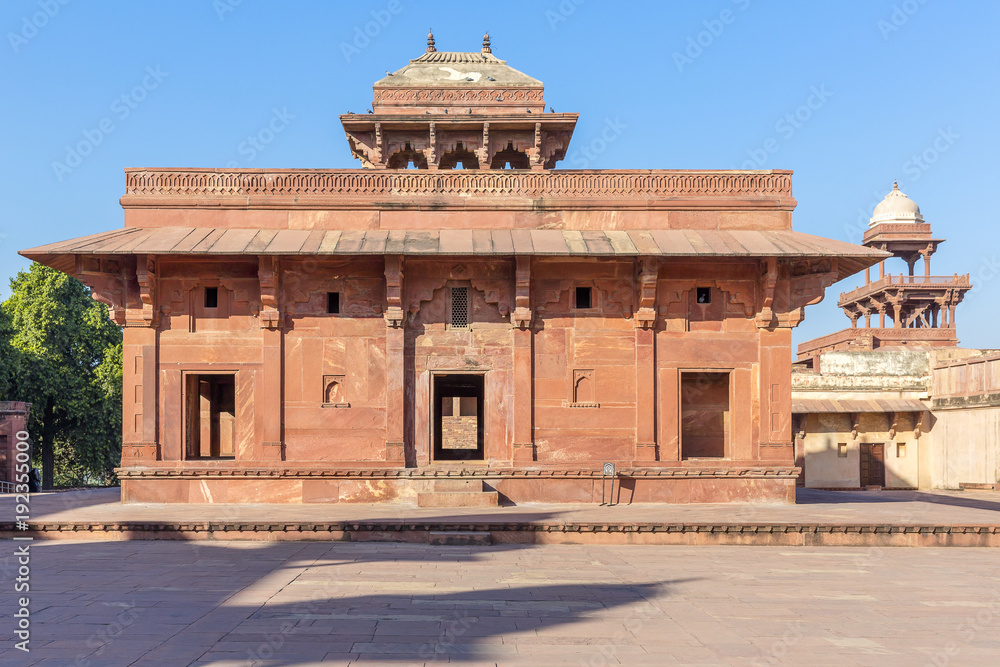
822	518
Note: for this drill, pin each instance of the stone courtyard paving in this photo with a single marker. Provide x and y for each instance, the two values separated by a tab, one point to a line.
177	603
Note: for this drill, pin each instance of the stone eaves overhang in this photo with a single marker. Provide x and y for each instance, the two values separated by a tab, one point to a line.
678	244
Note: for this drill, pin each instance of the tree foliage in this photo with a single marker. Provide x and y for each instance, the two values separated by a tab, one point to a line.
62	354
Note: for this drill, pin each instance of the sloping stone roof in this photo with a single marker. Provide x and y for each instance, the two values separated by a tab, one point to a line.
457	69
502	242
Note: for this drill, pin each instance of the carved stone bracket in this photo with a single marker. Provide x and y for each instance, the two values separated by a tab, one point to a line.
522	315
145	272
495	291
108	283
269	273
765	317
394	314
648	276
855	425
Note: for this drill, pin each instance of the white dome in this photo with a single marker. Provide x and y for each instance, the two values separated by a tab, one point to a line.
896	207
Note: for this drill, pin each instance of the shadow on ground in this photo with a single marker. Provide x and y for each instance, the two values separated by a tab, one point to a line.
822	497
276	604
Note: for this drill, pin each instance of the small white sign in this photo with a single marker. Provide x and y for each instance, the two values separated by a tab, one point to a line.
609	468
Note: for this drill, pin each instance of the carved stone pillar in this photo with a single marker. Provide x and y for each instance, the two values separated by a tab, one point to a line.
524	448
645	361
395	379
270	395
140	347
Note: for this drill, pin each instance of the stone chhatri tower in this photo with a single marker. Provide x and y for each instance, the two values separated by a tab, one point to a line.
921	308
458	322
447	109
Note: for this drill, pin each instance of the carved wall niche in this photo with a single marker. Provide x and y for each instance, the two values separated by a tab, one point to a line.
334	392
583	393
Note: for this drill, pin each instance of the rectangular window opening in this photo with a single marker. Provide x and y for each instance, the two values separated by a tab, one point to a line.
460	307
842	450
704	414
210	418
584	297
703	295
333	303
211	297
900	450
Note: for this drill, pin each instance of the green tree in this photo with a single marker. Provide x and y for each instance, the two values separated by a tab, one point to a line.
67	362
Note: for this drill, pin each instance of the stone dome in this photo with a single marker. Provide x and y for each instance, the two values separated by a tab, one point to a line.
896	207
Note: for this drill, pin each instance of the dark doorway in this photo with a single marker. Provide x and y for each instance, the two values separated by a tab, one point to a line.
872	465
704	414
458	417
210	417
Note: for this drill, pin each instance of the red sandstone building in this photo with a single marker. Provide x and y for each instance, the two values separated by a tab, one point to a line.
457	319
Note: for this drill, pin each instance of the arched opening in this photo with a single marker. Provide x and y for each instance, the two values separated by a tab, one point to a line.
460	158
510	158
407	158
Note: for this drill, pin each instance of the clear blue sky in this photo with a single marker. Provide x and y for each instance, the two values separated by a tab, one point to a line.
888	81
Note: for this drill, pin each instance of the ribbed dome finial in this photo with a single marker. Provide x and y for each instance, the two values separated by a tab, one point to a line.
430	41
486	44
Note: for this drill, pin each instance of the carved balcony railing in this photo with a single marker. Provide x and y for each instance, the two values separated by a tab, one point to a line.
955	281
914	229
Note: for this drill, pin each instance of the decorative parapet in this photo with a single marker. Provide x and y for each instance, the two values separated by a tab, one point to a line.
148	187
974	380
841	340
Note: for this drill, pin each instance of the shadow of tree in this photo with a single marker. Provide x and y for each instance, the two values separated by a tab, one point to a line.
290	603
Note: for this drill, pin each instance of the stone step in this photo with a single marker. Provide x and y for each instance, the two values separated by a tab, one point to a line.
466	485
978	486
459	499
459	538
